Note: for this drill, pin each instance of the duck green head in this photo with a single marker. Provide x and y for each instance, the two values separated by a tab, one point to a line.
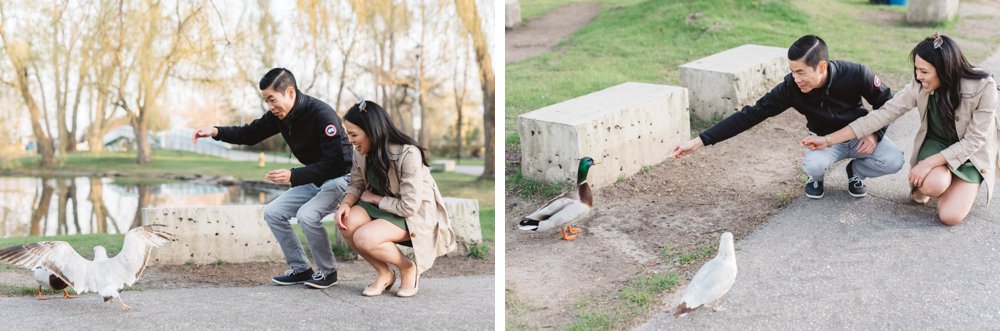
581	174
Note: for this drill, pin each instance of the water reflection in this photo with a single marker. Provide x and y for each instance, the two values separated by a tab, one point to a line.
35	206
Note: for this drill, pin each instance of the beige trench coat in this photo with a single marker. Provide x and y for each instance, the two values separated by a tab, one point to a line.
419	202
976	123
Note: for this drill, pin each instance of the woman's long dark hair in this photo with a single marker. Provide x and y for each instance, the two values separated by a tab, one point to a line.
374	121
943	53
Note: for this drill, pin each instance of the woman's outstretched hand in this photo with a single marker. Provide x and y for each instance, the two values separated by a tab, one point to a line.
814	143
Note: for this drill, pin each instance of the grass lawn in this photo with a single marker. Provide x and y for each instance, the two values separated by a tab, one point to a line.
164	163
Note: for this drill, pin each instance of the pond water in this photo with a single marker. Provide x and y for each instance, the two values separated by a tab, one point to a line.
48	206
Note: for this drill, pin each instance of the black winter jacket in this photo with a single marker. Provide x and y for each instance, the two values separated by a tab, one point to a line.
313	132
826	109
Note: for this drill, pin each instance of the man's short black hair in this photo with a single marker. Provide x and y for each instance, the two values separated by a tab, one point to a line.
278	79
810	48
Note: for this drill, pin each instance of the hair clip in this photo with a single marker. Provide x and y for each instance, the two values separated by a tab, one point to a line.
361	105
937	40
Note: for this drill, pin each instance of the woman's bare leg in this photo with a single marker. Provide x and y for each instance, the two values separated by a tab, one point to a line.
956	202
357	218
378	238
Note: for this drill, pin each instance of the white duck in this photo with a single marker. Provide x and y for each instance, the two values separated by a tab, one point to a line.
56	262
713	280
565	208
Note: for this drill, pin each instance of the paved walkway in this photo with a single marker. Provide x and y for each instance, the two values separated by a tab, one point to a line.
456	303
879	262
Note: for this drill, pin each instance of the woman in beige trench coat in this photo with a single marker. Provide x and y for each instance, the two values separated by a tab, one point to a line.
955	150
391	198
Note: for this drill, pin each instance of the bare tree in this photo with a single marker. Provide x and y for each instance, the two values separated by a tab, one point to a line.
329	25
469	15
385	21
460	90
164	39
66	29
20	55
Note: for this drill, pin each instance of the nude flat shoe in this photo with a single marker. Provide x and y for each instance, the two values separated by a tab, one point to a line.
919	198
409	292
372	290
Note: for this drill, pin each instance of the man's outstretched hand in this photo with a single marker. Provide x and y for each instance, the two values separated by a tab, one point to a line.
205	133
687	147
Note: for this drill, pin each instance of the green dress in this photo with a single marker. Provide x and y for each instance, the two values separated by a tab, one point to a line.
373	211
938	139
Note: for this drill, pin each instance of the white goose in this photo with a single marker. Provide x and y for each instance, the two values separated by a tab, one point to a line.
56	264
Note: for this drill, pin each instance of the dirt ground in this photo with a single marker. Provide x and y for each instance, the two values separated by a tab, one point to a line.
732	186
254	274
540	35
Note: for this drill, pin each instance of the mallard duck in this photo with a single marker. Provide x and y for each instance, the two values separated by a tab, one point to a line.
57	264
565	208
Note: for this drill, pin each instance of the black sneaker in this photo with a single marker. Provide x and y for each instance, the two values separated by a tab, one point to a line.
854	184
321	280
291	278
814	189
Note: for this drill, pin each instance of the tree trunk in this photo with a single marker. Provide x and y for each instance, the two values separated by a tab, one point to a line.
488	117
45	145
41	209
458	129
62	196
96	199
470	19
144	196
95	139
144	152
71	195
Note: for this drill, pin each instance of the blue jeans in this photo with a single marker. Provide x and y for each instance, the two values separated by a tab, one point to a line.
885	160
308	204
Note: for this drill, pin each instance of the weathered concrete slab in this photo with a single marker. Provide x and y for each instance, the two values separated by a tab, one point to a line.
512	10
723	83
209	234
464	217
931	11
623	128
442	165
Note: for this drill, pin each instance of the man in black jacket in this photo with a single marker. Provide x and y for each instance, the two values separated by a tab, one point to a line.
316	137
829	94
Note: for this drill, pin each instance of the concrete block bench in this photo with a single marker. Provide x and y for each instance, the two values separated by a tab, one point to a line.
512	12
931	11
723	83
623	128
237	234
442	165
209	234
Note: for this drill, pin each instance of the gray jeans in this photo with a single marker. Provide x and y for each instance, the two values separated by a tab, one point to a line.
886	159
308	204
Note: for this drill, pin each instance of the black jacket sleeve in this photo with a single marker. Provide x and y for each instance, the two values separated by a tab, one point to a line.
771	104
877	93
333	162
251	133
